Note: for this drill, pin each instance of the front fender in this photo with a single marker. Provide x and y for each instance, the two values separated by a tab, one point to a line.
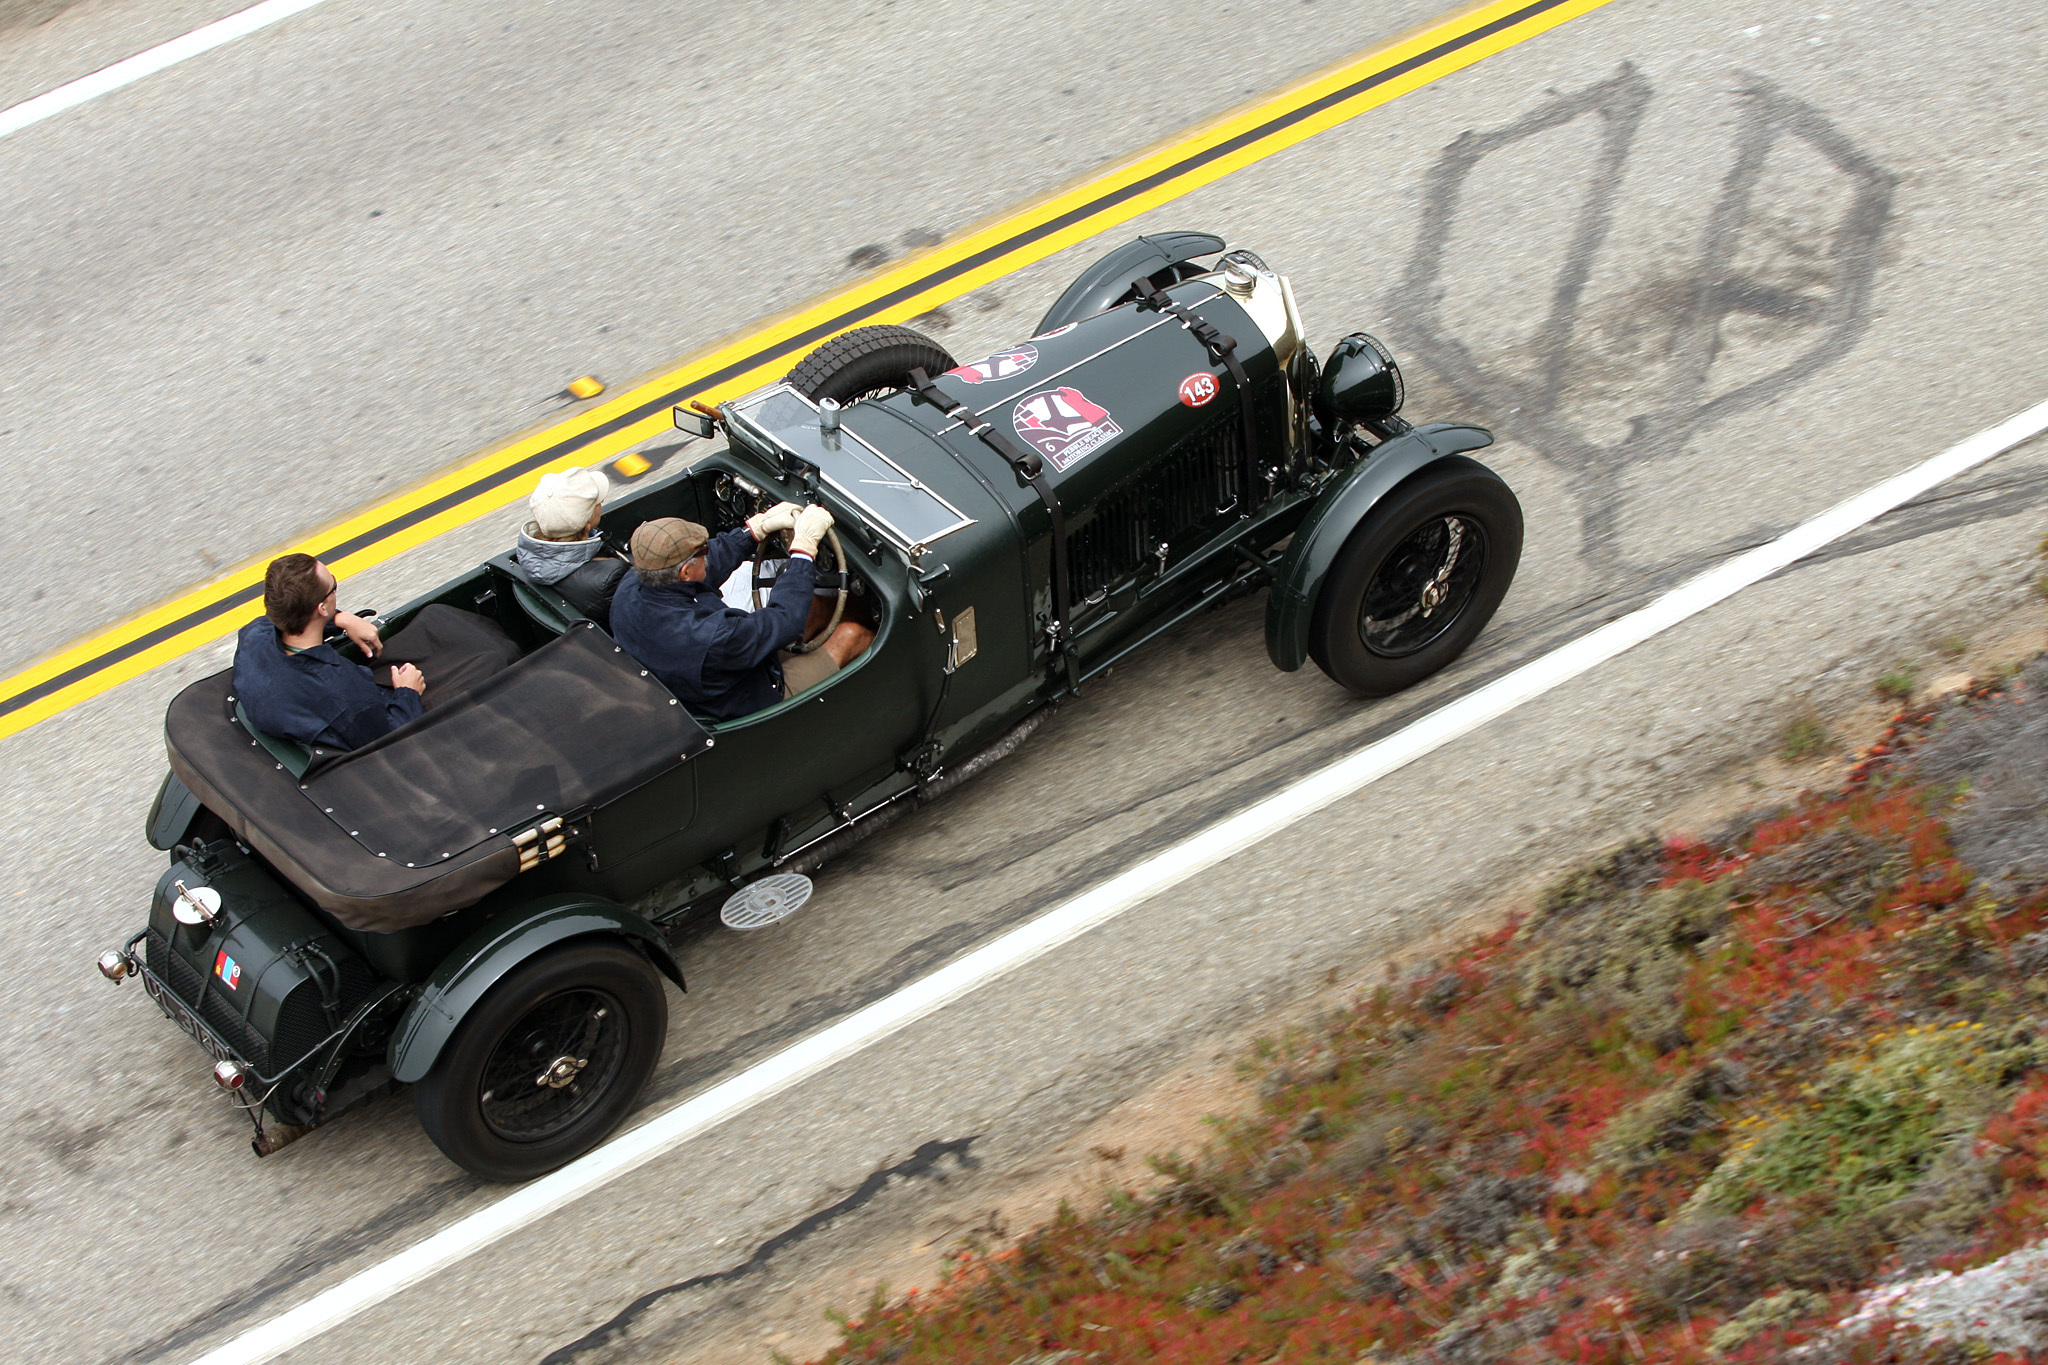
1109	279
1336	513
483	959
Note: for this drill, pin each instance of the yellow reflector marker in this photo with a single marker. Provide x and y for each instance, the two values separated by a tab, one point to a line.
632	465
762	354
589	386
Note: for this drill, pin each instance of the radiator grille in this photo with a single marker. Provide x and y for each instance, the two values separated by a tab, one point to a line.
1198	481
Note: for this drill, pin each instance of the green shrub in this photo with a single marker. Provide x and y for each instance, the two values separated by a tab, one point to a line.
1804	737
1630	956
1766	1314
1896	684
1666	1120
1873	1126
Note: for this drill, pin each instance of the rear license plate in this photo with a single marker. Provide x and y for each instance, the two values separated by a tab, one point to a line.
183	1015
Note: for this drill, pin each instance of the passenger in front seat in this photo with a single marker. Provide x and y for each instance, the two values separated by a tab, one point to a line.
720	662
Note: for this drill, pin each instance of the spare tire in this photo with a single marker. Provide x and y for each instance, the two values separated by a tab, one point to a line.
865	361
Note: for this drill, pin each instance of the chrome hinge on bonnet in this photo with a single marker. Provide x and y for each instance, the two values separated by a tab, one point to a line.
540	843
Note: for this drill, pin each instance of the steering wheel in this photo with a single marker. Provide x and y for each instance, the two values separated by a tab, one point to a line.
762	583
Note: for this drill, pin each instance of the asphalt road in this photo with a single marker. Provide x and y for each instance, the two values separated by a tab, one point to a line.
317	265
1705	274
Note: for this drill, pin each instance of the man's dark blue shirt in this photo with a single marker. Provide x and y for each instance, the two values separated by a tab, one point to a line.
315	696
717	661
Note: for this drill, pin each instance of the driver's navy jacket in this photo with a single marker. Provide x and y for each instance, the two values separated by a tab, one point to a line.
315	697
717	661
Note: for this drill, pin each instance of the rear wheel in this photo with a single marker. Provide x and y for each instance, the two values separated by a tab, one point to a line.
1418	579
547	1063
866	360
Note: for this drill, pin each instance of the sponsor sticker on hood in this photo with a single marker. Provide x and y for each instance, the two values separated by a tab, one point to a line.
1063	426
1002	365
228	970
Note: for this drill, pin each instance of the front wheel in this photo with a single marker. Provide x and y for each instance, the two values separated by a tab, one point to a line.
547	1063
1418	579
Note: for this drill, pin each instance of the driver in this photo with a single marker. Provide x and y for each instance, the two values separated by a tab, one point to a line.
719	662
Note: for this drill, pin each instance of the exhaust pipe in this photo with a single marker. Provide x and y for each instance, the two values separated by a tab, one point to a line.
277	1136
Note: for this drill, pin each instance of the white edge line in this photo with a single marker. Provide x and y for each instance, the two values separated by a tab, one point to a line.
129	70
1072	918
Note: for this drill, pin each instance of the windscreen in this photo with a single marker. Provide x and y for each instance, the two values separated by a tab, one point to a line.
897	503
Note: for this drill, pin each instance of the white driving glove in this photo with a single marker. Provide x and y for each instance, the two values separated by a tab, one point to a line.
811	525
780	517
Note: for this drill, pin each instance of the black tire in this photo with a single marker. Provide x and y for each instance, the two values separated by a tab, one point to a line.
1374	628
867	360
591	1000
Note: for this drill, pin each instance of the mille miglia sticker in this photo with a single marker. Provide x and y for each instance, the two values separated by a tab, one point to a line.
1198	388
228	970
1002	365
1063	426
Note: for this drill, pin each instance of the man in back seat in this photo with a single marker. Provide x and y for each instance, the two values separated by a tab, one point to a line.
291	682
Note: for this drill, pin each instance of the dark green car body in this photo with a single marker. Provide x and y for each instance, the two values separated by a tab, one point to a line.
1168	502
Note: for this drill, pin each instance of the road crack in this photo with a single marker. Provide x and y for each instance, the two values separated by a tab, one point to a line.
919	1165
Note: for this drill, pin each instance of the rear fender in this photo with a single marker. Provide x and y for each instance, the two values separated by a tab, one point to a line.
1101	285
1330	522
484	959
170	819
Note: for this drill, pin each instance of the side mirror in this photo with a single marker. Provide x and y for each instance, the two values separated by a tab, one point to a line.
1361	382
691	422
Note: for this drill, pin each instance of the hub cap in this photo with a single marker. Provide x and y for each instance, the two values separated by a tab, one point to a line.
553	1066
560	1072
1422	587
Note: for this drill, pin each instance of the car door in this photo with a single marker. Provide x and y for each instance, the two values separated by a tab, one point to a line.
780	776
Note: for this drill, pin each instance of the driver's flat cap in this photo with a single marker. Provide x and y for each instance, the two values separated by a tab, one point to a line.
667	542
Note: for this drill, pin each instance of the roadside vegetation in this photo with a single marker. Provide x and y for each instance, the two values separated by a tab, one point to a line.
1780	1093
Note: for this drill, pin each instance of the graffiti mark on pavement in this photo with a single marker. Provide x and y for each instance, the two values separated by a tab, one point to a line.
1777	287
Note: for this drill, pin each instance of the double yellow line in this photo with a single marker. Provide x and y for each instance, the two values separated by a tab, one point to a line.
956	267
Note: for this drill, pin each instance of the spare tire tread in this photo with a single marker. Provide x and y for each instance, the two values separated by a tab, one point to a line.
867	360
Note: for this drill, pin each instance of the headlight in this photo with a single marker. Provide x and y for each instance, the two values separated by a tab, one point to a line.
1361	382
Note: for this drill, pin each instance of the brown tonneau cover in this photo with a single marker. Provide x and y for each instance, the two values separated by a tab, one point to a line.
420	822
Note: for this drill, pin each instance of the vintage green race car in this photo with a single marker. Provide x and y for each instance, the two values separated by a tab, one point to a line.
479	903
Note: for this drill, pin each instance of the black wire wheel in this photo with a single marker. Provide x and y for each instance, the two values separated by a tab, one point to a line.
1422	589
1418	579
548	1063
866	361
